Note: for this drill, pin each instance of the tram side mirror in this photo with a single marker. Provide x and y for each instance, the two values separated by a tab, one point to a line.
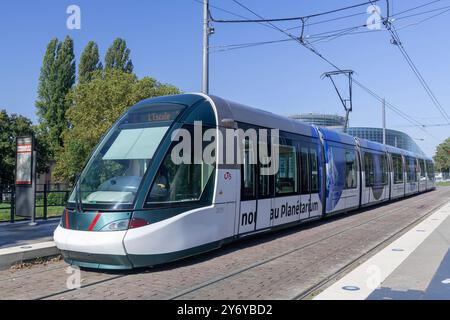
229	123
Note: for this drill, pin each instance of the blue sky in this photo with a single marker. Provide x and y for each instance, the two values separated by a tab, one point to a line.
165	39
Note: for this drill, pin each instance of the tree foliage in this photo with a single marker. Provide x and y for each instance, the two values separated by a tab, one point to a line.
442	156
118	56
95	106
89	62
12	126
56	79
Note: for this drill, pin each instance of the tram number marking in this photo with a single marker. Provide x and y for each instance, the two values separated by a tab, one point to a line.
227	176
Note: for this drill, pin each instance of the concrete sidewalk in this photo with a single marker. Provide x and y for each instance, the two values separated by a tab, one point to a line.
415	266
21	242
425	274
20	233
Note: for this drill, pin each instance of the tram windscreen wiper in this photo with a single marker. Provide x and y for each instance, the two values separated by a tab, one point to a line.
78	200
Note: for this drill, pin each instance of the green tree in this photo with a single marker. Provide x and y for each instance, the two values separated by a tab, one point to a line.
95	106
89	62
12	126
442	156
56	79
118	56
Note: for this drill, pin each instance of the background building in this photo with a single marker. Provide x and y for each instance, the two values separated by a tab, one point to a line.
393	137
321	120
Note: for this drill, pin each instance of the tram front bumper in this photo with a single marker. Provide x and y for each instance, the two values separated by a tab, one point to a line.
92	249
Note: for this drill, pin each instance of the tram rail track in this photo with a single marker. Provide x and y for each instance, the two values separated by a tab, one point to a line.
412	203
312	243
318	287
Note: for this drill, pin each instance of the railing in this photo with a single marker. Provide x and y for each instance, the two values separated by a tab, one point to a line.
50	201
7	209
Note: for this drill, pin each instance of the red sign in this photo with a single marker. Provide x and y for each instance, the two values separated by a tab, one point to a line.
24	161
24	148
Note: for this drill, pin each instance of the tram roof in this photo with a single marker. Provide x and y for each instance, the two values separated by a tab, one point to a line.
367	144
336	136
243	113
227	109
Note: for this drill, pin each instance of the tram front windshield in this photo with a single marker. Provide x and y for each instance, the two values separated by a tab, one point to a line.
113	175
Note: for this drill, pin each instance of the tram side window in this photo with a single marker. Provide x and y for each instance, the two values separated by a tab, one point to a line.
265	188
350	170
286	178
384	170
430	170
411	175
422	168
181	182
249	171
304	168
314	163
369	169
398	168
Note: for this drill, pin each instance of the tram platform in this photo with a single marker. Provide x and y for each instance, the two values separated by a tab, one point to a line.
416	266
21	233
21	242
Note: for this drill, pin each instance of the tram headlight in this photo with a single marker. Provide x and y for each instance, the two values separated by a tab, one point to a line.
118	225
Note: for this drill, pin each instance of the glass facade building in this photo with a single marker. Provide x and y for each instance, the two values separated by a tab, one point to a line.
393	137
321	120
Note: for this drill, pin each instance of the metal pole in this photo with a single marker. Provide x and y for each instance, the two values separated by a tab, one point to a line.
347	113
33	177
13	201
45	201
383	107
206	33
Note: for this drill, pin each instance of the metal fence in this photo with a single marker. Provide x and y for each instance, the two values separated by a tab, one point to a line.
50	201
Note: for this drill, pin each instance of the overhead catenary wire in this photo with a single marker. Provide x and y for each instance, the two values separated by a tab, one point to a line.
336	33
417	73
388	104
222	48
230	13
298	18
423	20
312	49
363	13
417	7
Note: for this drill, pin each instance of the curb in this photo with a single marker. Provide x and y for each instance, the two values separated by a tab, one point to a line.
4	224
13	255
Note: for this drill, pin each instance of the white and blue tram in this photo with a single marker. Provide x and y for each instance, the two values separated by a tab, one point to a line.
132	206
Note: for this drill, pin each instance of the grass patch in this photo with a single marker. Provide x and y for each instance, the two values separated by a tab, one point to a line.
5	212
443	184
51	211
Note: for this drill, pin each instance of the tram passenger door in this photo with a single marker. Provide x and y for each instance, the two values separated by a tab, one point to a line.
248	204
265	188
305	181
351	191
315	204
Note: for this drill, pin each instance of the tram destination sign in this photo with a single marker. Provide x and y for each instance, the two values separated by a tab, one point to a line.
167	114
24	159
